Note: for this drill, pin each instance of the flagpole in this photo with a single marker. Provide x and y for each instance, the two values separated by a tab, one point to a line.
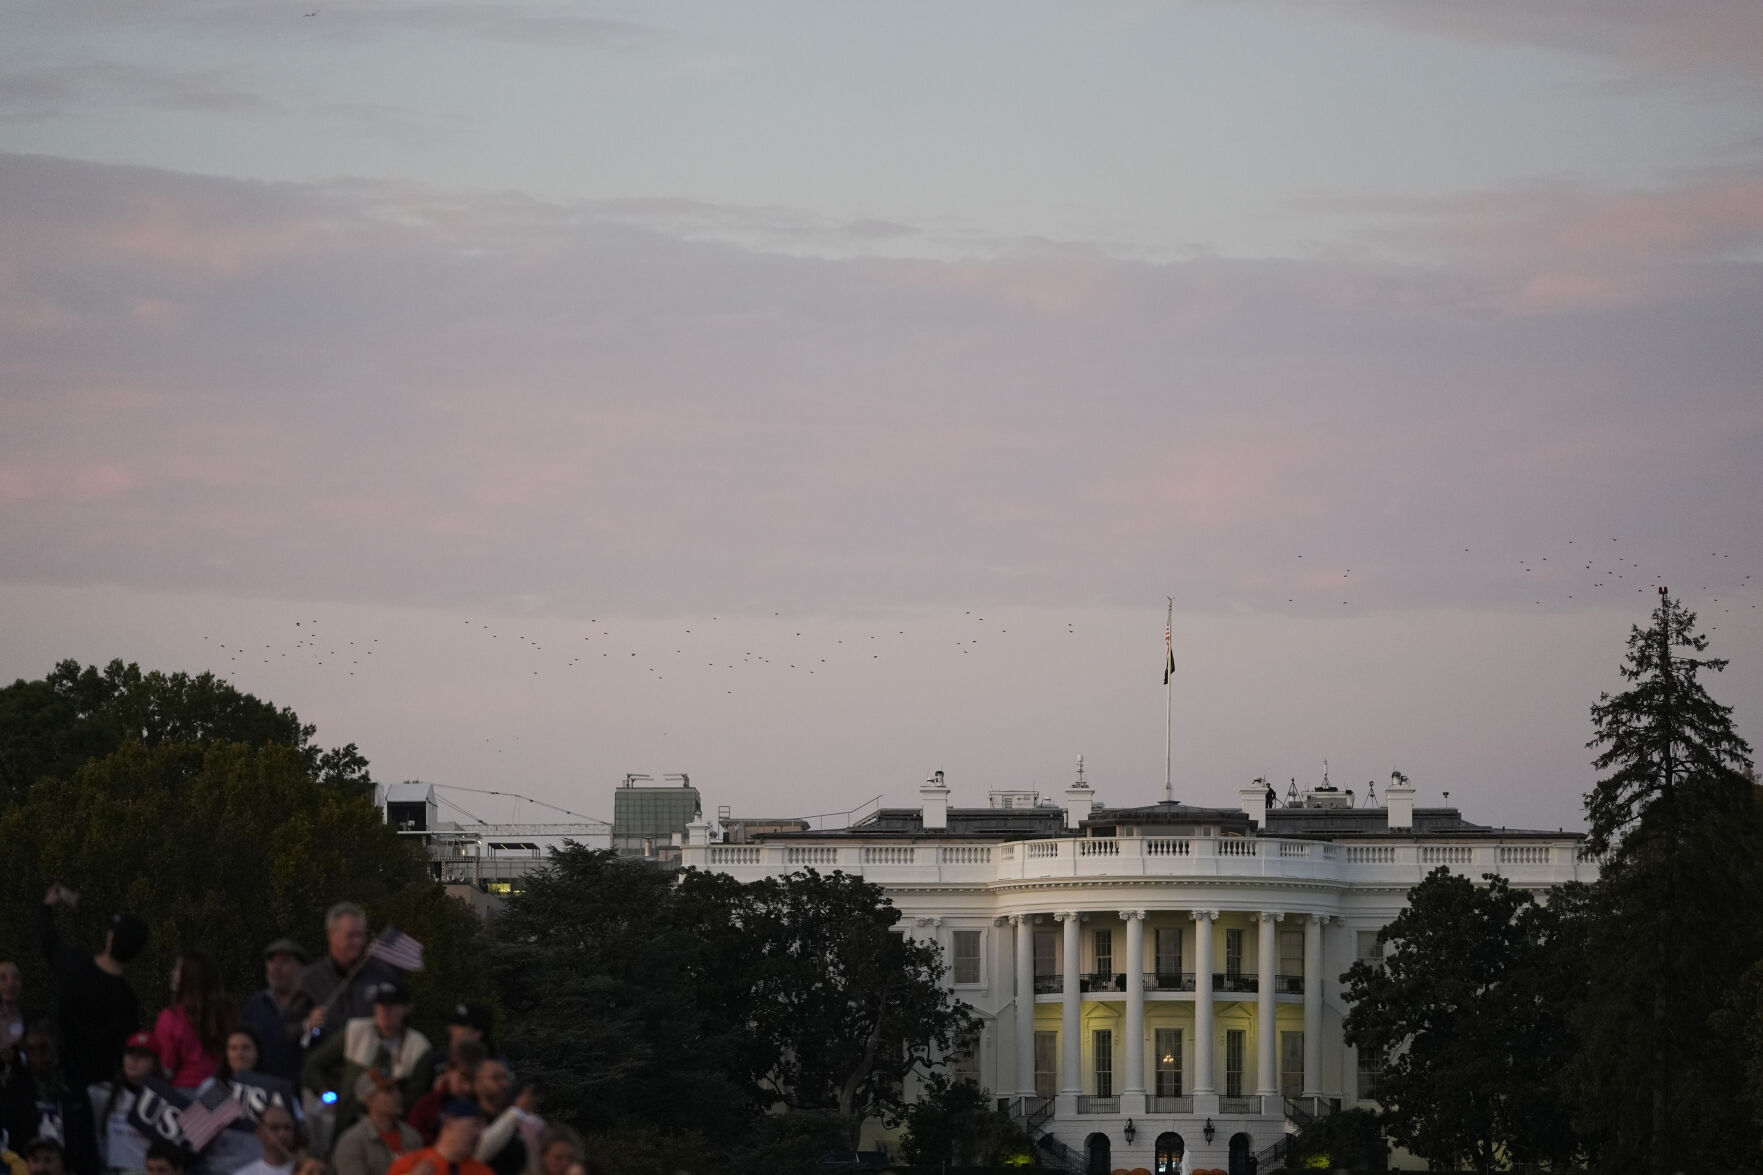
1168	695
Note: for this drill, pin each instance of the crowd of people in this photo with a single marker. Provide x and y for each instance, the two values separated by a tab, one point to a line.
317	1073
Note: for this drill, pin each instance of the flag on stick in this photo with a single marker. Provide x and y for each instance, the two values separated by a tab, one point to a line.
208	1114
398	949
1168	655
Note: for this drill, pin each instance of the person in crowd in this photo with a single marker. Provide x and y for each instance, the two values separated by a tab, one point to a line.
381	1041
310	1164
512	1126
11	1162
371	1145
12	1013
191	1034
121	1147
44	1155
462	1125
165	1158
275	1133
97	1009
466	1022
62	1110
454	1082
242	1055
236	1148
559	1149
272	1013
340	987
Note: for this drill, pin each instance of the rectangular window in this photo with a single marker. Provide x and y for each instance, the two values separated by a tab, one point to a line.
1291	958
1104	952
966	944
1168	952
1370	1069
965	1062
1233	1062
1233	954
1046	952
1104	1041
1370	951
1291	1064
1046	1064
1168	1062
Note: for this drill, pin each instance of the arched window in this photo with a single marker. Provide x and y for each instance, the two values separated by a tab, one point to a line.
1170	1148
1096	1150
1242	1154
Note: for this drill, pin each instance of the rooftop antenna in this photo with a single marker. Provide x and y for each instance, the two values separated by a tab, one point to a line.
1080	771
1325	775
1371	793
1168	695
1292	793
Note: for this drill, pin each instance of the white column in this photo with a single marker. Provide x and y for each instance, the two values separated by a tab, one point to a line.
1070	1043
1266	1028
1134	1088
1204	1085
1313	1006
1025	1003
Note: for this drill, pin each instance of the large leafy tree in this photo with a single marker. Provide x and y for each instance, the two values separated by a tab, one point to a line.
1675	814
221	848
1468	1012
74	713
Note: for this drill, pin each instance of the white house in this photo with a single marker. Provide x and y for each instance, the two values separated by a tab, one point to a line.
1164	978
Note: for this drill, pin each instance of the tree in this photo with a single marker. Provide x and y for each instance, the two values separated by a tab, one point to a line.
78	713
843	1007
1676	786
222	848
1468	1015
955	1123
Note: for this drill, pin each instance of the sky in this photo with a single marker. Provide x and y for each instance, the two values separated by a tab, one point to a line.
808	397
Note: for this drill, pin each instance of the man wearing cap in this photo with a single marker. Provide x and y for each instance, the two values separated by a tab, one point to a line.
96	1008
381	1041
462	1124
272	1013
370	1146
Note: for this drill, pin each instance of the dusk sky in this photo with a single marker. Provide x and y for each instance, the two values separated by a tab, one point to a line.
811	396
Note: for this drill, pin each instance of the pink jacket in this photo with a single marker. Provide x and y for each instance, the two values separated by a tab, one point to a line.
187	1063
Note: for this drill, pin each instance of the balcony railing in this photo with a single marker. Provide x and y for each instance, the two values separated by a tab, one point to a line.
1235	981
1169	981
1097	1104
1239	1105
1179	1104
1288	984
1104	981
1049	984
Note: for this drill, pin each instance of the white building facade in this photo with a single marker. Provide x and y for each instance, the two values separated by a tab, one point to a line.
1160	979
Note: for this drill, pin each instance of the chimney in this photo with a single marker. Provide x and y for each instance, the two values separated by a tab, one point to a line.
934	798
1254	801
1399	796
698	833
1079	799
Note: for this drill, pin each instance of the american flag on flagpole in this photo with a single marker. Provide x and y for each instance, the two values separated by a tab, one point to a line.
398	949
1168	654
208	1114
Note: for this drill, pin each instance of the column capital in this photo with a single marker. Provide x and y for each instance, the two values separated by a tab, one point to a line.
1068	916
1203	915
1019	919
1316	919
1270	916
930	921
1129	915
1336	920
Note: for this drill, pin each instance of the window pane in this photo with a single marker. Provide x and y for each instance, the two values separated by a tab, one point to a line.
1168	950
1291	1064
1233	953
1104	952
1046	952
1168	1062
966	943
1046	1064
1291	952
1233	1062
1369	950
1104	1041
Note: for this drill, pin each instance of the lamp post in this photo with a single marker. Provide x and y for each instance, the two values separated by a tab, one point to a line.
1129	1132
1209	1131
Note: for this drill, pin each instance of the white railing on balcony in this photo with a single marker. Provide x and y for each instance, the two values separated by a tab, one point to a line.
1089	1103
1400	862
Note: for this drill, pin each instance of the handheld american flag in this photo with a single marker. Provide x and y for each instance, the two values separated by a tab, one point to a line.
398	949
208	1114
